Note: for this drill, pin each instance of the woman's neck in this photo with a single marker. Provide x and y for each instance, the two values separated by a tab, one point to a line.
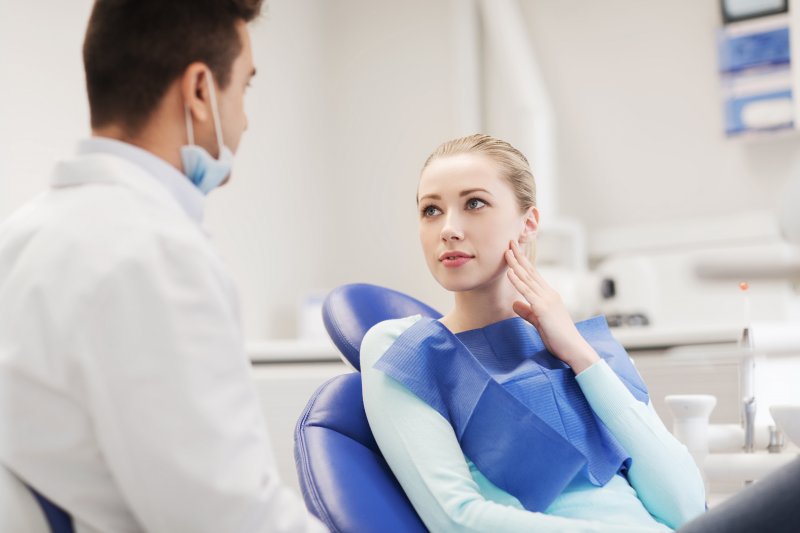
480	307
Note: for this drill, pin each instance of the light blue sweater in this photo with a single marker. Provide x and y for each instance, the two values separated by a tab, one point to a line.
664	488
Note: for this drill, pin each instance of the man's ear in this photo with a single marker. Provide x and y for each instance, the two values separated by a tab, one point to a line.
531	227
194	90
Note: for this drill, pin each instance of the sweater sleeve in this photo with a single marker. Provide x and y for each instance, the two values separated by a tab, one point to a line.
662	471
423	452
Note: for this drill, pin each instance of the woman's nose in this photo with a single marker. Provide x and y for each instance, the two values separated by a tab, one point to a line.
451	231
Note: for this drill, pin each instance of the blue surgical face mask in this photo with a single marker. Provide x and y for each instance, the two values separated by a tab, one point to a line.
199	166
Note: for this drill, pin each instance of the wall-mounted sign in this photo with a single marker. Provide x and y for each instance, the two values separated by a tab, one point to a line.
736	10
756	76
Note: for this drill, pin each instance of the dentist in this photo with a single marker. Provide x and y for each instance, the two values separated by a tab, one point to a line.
125	393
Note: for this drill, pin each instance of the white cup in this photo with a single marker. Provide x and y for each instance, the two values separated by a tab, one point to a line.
690	422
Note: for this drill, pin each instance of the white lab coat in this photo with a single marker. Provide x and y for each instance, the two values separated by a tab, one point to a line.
125	393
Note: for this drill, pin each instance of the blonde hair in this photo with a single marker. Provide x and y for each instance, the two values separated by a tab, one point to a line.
514	166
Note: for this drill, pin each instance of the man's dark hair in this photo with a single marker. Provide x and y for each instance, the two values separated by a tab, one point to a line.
134	49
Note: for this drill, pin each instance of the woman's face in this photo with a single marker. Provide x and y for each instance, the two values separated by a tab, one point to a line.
467	215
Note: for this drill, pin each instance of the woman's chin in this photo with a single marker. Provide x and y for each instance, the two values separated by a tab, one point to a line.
449	283
454	283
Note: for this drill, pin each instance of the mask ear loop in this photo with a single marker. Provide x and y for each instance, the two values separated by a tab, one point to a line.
214	111
189	128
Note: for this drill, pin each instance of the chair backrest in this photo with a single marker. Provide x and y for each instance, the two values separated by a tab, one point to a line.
346	483
344	479
24	509
57	518
350	310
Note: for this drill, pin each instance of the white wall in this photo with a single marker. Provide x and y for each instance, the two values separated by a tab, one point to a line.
393	102
638	101
269	222
43	106
352	95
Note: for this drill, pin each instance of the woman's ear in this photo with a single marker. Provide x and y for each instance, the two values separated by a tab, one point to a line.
531	226
194	90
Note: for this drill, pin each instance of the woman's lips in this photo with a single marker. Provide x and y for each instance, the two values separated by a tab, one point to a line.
454	259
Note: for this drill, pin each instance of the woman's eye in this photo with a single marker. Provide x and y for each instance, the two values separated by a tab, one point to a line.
430	211
474	203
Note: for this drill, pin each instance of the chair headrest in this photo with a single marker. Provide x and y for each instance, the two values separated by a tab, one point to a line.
350	310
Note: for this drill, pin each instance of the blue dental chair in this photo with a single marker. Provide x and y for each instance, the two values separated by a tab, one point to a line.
345	481
25	509
57	518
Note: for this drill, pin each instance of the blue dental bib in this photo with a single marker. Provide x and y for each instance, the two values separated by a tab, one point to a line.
517	410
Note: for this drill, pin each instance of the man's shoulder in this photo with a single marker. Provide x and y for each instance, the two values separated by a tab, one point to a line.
98	228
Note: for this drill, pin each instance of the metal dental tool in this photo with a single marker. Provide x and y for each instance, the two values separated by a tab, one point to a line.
747	376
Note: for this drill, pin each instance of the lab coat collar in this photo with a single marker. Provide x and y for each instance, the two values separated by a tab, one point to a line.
107	160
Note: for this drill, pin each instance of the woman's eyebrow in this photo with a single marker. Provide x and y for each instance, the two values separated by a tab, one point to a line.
431	196
466	192
471	191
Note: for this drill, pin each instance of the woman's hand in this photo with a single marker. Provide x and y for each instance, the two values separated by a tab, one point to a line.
544	309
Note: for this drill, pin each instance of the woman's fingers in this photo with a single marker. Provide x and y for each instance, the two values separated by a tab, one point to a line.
526	263
515	264
544	309
528	282
524	310
525	289
514	246
523	274
518	284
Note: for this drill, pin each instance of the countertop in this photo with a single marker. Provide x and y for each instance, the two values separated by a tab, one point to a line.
632	338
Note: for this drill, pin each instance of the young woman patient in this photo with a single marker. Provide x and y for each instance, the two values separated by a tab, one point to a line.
504	415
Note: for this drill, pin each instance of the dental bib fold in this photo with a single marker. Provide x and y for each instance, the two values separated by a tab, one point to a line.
517	410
